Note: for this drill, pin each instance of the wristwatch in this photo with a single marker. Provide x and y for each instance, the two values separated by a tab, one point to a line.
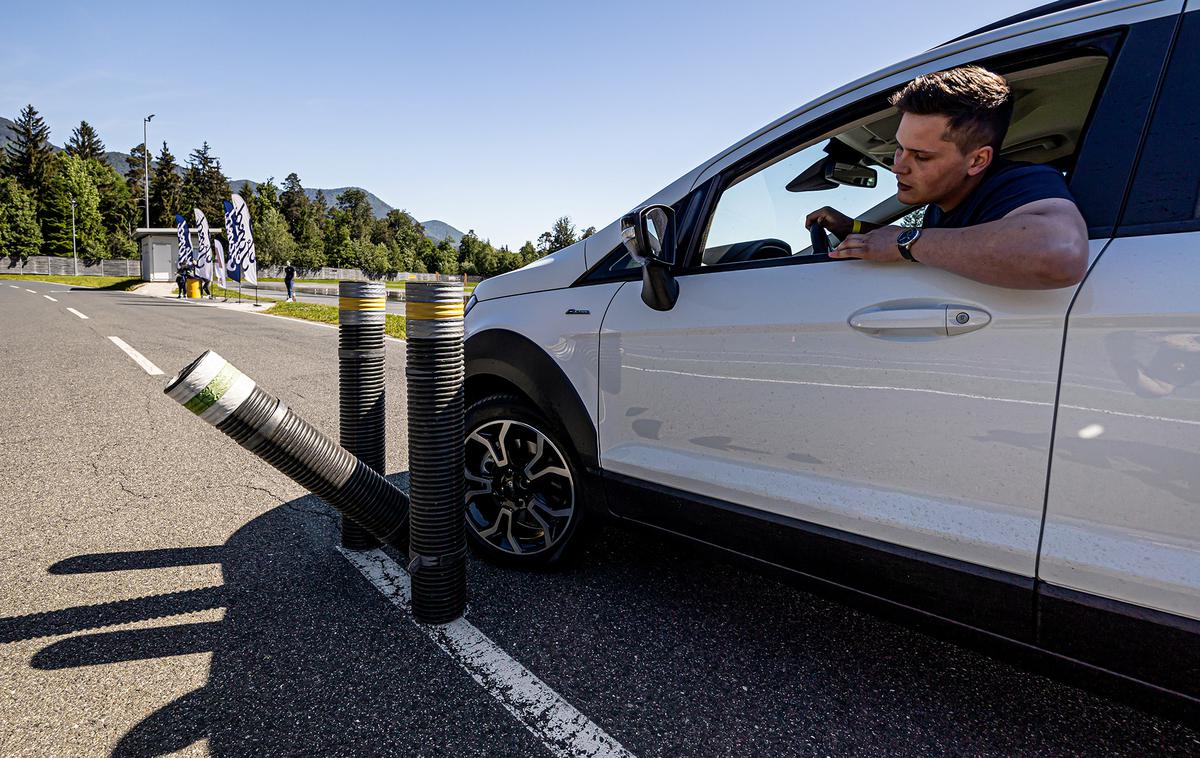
905	241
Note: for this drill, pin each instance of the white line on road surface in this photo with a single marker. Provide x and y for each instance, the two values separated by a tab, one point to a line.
14	286
51	299
137	357
77	313
562	729
33	292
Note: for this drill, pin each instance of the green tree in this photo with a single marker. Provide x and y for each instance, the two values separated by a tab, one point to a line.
587	232
135	172
166	190
528	253
85	143
358	210
273	243
371	257
70	178
118	210
20	234
246	193
205	186
266	194
27	154
442	258
294	205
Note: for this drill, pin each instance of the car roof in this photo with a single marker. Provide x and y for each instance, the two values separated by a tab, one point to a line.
1063	11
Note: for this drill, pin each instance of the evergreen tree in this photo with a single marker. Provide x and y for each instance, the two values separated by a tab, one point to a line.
118	209
247	196
273	243
166	190
135	173
27	154
205	186
358	209
528	253
442	258
294	205
70	178
267	193
20	235
587	232
85	143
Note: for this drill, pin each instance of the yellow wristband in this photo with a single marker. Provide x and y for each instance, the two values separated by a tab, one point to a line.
857	227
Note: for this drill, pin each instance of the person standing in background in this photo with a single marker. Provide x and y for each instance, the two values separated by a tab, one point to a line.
289	279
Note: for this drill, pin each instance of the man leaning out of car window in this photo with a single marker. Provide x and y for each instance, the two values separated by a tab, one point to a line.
996	221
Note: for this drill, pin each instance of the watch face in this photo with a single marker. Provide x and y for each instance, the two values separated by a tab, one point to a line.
907	236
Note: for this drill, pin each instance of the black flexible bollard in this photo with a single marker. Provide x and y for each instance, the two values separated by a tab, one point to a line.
437	551
362	314
217	392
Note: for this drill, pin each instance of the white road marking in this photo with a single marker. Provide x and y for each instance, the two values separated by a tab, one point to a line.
32	292
137	357
51	299
14	286
77	313
562	729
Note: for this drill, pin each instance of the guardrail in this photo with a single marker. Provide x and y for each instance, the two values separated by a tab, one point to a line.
49	265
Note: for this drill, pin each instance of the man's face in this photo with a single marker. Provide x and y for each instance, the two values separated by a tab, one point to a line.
930	168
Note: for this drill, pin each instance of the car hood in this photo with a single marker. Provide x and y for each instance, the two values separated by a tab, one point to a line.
552	272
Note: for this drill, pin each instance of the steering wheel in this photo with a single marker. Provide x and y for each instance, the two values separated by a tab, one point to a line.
820	240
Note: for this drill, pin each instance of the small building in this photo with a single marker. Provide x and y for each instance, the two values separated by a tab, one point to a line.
160	252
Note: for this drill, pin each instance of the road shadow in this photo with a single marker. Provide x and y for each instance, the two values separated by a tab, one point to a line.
308	658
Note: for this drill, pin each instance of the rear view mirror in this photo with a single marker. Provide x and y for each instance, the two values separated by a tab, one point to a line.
829	172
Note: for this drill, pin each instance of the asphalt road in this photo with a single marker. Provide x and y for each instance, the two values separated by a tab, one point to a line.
165	591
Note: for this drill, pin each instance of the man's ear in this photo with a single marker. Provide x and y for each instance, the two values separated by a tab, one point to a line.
980	160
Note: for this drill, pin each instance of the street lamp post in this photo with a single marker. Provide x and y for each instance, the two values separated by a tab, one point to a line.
74	254
146	164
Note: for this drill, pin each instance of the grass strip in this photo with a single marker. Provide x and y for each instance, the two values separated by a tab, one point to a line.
328	314
94	282
391	284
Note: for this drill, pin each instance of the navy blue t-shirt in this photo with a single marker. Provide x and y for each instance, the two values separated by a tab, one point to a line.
1007	186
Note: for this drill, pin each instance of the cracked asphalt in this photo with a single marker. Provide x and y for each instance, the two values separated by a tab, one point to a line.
164	591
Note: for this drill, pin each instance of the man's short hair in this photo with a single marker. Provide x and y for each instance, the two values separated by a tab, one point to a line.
978	103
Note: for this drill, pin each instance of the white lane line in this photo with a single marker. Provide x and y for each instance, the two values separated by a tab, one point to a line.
562	729
14	286
77	313
32	292
51	299
137	357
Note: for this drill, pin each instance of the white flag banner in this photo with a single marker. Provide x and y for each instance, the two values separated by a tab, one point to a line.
219	252
232	269
185	242
241	241
203	253
248	263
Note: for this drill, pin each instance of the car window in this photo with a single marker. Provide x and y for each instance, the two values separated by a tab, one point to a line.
760	214
1166	189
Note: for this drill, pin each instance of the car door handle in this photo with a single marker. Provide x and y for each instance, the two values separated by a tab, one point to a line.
917	321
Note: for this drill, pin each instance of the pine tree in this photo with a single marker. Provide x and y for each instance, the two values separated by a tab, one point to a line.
166	190
135	174
118	209
85	143
70	178
354	202
246	193
205	186
294	205
20	235
528	253
27	155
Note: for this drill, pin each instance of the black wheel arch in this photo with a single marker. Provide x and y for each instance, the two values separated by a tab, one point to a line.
499	360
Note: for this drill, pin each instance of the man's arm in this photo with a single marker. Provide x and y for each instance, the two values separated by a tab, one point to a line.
1041	245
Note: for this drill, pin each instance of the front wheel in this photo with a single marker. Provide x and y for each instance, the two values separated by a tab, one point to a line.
523	504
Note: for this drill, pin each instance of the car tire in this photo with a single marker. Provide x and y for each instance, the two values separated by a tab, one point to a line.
523	495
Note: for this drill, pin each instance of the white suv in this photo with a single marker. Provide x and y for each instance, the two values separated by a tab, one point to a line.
1023	464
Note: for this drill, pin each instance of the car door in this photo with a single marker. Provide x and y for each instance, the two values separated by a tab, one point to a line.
875	405
1120	563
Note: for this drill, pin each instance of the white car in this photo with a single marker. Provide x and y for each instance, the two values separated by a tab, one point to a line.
1023	465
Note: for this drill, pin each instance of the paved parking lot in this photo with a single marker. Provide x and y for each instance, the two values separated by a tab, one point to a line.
167	592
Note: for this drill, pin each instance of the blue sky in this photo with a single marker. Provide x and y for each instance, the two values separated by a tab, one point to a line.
494	116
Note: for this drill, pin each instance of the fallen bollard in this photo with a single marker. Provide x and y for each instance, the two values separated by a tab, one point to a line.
217	392
434	352
362	313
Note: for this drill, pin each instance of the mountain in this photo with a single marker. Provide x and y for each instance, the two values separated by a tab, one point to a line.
434	229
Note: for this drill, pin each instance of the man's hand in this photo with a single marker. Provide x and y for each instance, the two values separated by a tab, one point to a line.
876	245
833	221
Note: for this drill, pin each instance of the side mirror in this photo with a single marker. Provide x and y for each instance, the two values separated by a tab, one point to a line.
649	235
